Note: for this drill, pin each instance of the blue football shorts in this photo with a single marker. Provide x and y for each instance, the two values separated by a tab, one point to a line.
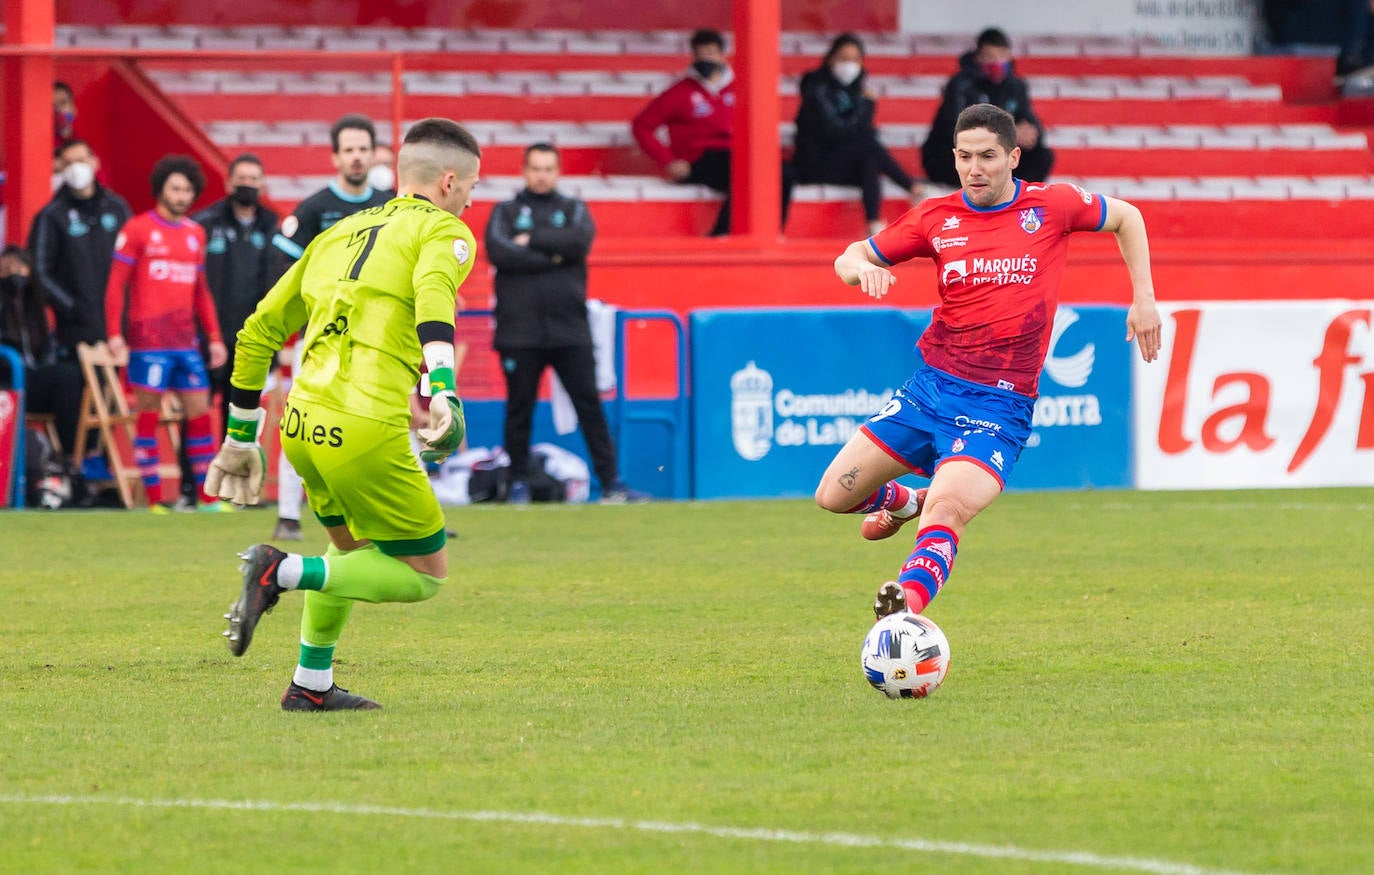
935	417
165	369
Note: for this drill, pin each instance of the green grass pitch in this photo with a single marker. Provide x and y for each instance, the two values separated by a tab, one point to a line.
1174	683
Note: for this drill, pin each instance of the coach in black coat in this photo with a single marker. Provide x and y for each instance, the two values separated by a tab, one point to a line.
538	244
987	75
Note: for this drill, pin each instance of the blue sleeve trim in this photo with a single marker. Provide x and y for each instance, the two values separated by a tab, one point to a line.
120	256
878	252
287	245
1102	219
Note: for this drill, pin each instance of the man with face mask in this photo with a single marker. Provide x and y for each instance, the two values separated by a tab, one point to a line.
699	113
72	240
238	257
836	141
382	176
987	75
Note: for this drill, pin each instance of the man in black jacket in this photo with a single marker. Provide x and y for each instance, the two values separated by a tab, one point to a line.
72	240
987	75
238	257
538	244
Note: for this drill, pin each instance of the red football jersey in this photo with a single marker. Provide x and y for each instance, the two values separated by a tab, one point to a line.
162	265
999	271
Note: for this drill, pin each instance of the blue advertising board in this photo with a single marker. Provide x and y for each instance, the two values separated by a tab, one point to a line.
1081	434
776	393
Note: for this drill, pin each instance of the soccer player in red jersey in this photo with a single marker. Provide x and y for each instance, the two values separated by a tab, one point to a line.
159	260
999	246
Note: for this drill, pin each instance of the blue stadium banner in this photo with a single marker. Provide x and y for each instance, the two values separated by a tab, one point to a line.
1081	433
776	393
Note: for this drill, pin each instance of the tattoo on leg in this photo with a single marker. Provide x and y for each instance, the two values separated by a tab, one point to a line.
849	478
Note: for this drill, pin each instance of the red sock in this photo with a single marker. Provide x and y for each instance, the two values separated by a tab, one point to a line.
145	454
891	496
200	449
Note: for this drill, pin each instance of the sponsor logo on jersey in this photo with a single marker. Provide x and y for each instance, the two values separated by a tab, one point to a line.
1032	219
943	243
954	272
183	272
460	250
295	425
1087	196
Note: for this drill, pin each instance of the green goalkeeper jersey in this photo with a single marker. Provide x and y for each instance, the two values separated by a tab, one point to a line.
360	289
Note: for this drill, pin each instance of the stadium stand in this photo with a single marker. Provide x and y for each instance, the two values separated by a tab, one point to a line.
1126	118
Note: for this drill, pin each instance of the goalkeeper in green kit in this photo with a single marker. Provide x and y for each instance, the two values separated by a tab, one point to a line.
376	295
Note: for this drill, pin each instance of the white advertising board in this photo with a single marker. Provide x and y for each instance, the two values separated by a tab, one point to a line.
1204	27
1260	394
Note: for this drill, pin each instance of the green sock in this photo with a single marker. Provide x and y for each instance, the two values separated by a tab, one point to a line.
322	619
369	575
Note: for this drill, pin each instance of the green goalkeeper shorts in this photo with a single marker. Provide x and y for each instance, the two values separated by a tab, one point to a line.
362	474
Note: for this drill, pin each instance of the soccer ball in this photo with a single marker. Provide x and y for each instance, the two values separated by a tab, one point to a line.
905	656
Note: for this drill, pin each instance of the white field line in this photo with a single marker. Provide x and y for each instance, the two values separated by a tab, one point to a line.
833	839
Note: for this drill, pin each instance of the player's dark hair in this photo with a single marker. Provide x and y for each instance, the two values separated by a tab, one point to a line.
993	36
550	148
244	158
183	164
844	39
59	85
706	36
353	122
992	118
443	132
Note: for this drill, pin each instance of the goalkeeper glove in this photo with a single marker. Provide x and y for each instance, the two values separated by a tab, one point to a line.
447	427
237	472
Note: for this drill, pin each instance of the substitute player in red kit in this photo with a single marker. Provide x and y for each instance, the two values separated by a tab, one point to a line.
999	247
159	260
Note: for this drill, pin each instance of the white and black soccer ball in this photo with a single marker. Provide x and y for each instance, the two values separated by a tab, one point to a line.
905	656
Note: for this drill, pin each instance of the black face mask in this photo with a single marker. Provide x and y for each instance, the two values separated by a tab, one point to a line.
706	69
245	195
11	286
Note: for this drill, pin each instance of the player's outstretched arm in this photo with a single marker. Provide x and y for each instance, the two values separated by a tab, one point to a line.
1142	319
860	266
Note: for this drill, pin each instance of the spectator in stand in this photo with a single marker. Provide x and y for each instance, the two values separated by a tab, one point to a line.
699	112
159	260
63	113
538	244
1357	52
836	141
51	385
353	140
382	175
238	266
72	239
987	75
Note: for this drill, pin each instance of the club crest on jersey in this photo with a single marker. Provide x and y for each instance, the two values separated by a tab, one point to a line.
1032	219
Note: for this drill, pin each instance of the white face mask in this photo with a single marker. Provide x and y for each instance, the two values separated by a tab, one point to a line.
381	178
78	175
846	72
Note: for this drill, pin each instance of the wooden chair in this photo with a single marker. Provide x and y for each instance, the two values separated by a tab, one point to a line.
105	409
45	423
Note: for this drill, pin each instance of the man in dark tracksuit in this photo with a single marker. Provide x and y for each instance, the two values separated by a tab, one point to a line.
73	240
538	244
238	257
